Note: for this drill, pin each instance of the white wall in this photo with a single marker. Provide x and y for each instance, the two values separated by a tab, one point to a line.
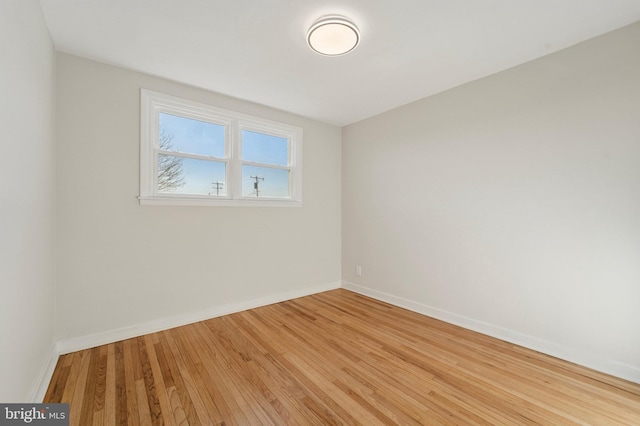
27	193
511	204
121	264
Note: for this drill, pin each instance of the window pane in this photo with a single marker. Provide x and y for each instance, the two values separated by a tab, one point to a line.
266	149
177	175
269	182
191	136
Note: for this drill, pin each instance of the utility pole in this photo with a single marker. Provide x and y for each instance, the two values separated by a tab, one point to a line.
256	184
218	186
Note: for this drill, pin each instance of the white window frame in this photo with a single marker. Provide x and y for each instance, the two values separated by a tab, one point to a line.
153	103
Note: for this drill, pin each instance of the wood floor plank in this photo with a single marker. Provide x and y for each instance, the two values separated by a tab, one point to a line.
100	386
78	410
144	412
332	358
159	390
287	389
150	382
176	381
133	410
218	366
74	368
59	378
121	386
109	417
189	374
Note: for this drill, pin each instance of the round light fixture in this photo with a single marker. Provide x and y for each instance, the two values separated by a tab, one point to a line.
333	35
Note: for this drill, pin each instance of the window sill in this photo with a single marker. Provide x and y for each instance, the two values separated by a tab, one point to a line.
206	201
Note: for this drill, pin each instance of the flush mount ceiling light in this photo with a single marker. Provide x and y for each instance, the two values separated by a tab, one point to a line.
333	35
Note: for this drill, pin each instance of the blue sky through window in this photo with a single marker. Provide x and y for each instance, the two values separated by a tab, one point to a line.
193	136
207	139
266	149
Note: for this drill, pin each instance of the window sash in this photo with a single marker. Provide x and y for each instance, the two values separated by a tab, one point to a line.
201	183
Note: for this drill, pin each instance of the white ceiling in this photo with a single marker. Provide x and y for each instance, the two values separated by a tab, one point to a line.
256	49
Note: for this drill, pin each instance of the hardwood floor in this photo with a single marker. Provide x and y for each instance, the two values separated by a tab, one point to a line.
332	358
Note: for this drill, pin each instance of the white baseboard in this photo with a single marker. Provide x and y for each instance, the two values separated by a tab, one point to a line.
92	340
613	368
44	378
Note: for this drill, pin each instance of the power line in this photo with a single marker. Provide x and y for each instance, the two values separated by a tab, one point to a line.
217	186
256	184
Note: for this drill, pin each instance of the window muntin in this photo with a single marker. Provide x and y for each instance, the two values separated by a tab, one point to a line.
217	152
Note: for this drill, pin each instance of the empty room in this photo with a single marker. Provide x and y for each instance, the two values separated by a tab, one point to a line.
306	213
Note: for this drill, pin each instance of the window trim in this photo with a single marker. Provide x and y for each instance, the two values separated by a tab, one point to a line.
153	103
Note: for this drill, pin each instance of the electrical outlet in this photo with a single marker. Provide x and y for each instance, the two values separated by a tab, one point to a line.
358	271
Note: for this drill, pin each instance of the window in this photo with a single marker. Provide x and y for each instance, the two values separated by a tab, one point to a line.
196	154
